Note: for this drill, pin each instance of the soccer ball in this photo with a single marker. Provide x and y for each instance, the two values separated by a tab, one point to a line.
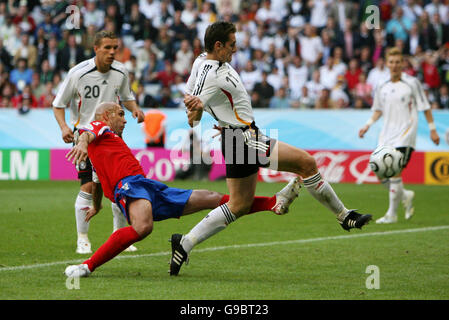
386	162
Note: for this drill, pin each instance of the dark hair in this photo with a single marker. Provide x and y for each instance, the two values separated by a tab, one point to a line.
218	31
103	34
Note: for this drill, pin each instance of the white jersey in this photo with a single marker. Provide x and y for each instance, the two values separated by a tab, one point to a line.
85	87
222	92
400	102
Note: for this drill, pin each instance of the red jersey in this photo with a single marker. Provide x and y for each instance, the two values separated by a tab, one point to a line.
111	157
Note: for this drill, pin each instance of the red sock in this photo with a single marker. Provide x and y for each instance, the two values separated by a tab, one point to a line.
117	242
259	203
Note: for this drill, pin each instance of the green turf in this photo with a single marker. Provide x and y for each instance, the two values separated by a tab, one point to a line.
37	227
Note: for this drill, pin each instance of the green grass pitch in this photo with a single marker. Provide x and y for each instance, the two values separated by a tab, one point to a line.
299	256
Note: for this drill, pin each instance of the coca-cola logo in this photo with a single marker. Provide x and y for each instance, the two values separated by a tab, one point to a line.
335	167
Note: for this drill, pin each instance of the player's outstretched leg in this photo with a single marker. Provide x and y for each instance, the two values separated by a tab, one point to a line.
298	161
119	221
285	197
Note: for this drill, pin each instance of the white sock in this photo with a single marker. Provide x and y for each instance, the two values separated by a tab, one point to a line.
214	222
82	203
323	192
118	219
395	193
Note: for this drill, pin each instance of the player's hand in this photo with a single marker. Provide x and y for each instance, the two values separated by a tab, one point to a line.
435	137
67	135
139	115
91	212
363	130
77	154
219	130
193	103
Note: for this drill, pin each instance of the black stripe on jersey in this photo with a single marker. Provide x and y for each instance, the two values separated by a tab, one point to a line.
199	88
91	70
117	70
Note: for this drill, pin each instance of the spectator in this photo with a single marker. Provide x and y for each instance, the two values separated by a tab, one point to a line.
324	101
280	100
165	77
92	15
165	99
364	92
72	54
305	101
123	53
52	55
26	94
442	98
47	97
431	77
165	43
378	74
27	51
274	78
48	27
328	74
297	76
21	75
311	46
427	32
352	75
24	20
314	86
5	57
400	25
264	90
183	59
338	93
341	11
143	99
318	13
250	75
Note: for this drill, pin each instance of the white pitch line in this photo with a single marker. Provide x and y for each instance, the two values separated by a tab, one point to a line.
237	246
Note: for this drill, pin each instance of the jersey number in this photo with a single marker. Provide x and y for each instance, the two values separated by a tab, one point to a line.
91	92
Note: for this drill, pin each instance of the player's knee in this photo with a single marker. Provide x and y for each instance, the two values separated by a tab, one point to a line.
308	166
143	228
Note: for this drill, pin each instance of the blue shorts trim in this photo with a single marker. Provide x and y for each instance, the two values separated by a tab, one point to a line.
167	202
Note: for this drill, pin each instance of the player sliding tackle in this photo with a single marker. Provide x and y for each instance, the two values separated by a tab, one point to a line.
214	86
142	201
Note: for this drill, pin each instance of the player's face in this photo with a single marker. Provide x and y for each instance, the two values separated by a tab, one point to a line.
226	50
117	120
394	63
105	52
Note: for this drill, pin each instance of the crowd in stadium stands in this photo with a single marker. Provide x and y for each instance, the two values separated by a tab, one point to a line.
306	54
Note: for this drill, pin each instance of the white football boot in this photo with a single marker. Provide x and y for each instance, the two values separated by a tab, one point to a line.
386	219
131	248
408	203
286	196
77	271
83	246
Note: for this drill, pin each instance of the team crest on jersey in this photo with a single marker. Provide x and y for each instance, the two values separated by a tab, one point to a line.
125	186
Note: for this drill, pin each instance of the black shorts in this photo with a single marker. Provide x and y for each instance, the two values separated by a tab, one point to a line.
245	150
406	155
84	169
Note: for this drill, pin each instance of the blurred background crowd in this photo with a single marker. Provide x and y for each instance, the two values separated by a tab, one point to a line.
306	54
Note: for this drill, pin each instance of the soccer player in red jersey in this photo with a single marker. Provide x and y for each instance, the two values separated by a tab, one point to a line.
121	178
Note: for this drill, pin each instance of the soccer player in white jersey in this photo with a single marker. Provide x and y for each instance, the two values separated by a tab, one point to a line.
214	86
398	100
96	80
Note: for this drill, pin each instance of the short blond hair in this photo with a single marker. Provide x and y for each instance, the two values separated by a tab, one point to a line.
394	51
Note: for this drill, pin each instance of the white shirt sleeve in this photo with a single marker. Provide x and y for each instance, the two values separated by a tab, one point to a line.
377	106
65	93
422	103
125	93
206	86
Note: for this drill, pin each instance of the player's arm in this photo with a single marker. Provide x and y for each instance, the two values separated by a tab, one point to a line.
79	152
195	109
97	196
67	133
132	106
433	130
374	117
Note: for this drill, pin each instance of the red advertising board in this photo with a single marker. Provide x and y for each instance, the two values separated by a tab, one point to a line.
349	166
